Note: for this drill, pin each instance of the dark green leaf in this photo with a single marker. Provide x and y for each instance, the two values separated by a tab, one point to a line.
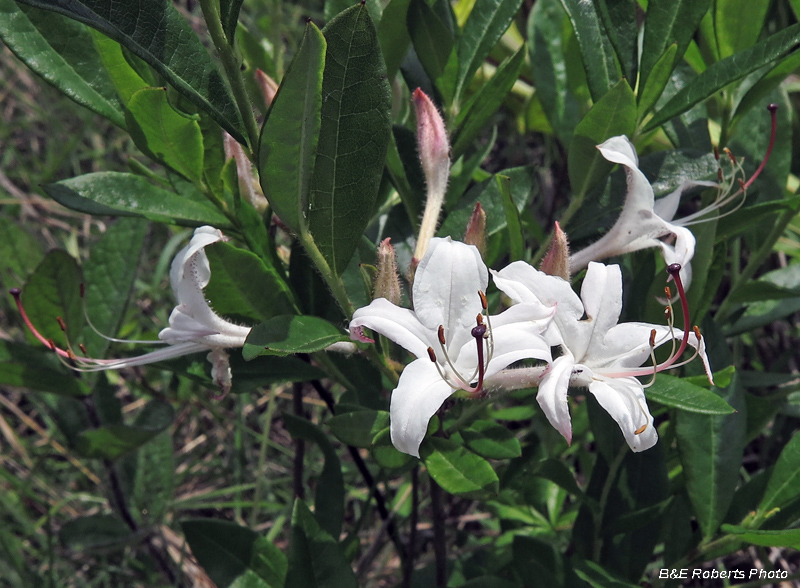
619	22
229	15
266	370
783	538
61	51
164	134
614	114
759	92
20	251
486	102
597	577
512	217
154	484
487	22
657	80
353	137
37	368
784	484
385	454
722	73
432	40
315	558
121	194
393	35
599	60
457	470
677	393
234	555
329	494
100	531
288	143
668	22
157	33
492	441
262	295
285	334
358	428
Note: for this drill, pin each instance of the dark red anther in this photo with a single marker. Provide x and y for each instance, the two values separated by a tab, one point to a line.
62	324
653	338
82	347
484	302
431	354
441	335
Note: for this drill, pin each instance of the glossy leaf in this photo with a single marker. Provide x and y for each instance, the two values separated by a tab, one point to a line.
614	114
657	80
599	60
784	483
678	393
233	555
668	22
730	69
353	137
157	33
457	470
315	558
619	21
285	334
491	440
61	51
487	22
358	428
164	134
329	494
288	142
123	194
99	531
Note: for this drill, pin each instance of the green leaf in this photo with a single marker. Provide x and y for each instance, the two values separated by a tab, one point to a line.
267	370
61	51
512	217
229	15
157	33
485	103
678	393
385	454
235	556
759	92
619	22
737	24
154	484
487	22
668	22
711	453
782	538
393	35
37	368
657	80
262	295
492	441
113	441
358	428
457	470
100	531
20	251
353	137
164	134
125	78
122	194
285	334
288	142
597	577
614	114
599	60
432	40
329	494
315	558
784	483
722	73
52	291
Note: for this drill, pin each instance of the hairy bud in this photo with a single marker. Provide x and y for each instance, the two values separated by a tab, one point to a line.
556	261
387	281
476	229
244	170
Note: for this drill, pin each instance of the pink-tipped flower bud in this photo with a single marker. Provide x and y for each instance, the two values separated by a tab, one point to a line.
268	86
556	262
476	229
387	280
434	154
248	188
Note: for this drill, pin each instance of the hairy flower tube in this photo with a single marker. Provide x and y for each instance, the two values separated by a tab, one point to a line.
457	345
193	326
597	352
645	222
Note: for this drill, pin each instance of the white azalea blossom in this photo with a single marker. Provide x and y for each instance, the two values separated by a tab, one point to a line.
643	222
597	352
458	348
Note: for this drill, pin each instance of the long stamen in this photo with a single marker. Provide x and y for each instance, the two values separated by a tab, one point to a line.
49	343
652	358
464	381
674	270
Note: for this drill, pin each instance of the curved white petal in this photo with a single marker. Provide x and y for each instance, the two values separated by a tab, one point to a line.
202	237
446	285
682	252
398	324
602	298
667	206
419	394
552	396
623	399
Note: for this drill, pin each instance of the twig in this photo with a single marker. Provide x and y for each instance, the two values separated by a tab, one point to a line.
439	545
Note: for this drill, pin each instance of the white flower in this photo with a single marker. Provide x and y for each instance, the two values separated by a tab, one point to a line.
597	353
193	326
643	222
457	346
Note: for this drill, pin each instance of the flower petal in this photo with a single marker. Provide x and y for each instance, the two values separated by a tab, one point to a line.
552	396
398	324
419	394
601	293
623	399
446	285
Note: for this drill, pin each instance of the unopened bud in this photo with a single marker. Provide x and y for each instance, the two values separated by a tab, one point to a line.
434	154
244	171
476	229
267	85
556	261
387	281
